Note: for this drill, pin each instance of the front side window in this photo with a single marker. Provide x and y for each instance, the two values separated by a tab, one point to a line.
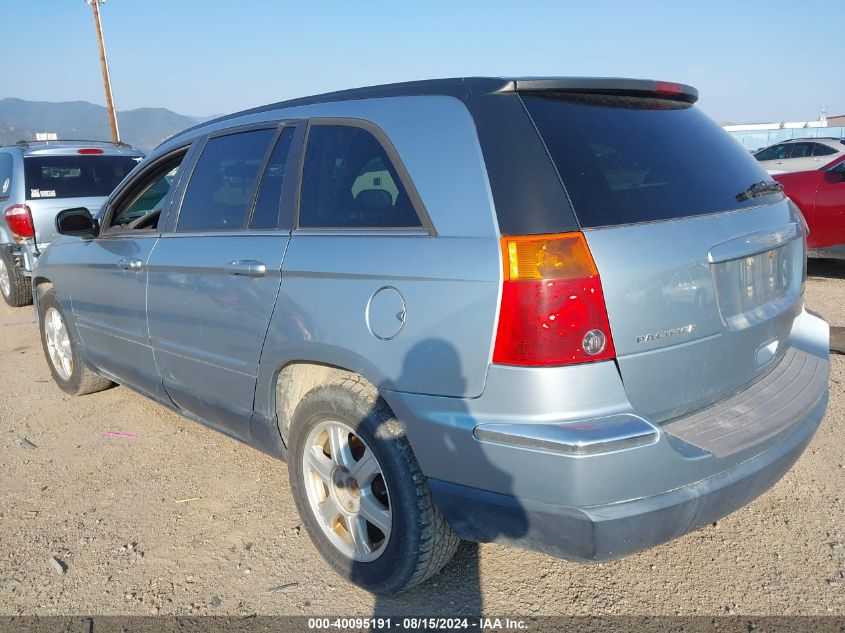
75	176
775	152
142	209
349	181
222	184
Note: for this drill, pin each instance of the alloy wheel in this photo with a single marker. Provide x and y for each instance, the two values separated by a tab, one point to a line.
58	343
5	282
346	491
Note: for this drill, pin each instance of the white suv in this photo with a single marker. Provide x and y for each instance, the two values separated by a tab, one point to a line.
800	154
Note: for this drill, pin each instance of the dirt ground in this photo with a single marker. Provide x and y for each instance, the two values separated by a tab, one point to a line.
183	520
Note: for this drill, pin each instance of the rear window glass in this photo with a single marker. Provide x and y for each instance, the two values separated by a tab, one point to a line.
75	176
624	160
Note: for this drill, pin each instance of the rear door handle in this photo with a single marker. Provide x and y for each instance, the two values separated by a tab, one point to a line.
246	268
131	264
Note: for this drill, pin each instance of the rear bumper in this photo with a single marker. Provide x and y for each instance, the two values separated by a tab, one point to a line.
559	461
604	532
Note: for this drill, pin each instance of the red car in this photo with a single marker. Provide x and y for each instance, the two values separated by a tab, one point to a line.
820	194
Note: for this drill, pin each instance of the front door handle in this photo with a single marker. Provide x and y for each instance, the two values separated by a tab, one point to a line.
247	268
131	264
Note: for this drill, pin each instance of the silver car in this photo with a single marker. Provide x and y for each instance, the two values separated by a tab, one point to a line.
37	180
460	309
800	154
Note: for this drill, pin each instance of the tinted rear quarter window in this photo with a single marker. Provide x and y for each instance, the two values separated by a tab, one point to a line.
221	188
823	150
74	176
349	181
626	159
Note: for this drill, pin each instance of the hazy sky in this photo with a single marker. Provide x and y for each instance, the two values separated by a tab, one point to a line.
752	60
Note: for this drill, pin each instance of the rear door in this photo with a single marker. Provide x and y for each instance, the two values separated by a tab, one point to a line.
702	283
215	274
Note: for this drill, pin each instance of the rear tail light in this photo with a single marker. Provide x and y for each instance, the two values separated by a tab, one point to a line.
553	310
19	220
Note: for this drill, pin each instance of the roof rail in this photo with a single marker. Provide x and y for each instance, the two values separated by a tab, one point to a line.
814	138
67	141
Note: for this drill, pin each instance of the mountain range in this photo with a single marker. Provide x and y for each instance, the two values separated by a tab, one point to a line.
143	128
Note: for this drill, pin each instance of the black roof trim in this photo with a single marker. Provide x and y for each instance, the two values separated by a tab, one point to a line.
466	88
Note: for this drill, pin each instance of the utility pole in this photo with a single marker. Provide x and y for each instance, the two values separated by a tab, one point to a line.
115	133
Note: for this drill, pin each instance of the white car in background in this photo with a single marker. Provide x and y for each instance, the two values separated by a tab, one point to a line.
800	154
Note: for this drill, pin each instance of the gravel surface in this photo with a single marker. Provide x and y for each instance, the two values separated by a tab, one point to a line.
165	516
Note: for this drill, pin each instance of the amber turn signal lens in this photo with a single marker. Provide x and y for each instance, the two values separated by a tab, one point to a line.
560	256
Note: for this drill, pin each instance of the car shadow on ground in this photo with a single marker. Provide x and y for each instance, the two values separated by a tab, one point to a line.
456	590
826	268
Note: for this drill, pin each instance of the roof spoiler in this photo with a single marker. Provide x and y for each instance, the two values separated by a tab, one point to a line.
612	86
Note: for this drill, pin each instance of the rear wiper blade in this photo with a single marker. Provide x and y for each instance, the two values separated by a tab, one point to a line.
760	189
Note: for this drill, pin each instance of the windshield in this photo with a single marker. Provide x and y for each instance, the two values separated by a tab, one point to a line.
75	176
632	159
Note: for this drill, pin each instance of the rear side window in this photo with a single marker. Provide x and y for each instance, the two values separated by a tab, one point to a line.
631	159
265	215
822	150
6	167
75	176
801	150
349	181
222	184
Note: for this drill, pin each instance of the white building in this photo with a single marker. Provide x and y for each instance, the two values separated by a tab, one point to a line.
754	136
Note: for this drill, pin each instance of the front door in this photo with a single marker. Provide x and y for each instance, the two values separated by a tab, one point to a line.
215	274
109	301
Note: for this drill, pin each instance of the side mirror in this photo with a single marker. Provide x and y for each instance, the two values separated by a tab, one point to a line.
77	222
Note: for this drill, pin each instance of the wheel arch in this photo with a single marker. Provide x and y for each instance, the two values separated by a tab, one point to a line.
296	378
40	285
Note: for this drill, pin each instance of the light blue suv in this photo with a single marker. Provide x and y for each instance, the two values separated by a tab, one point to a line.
514	310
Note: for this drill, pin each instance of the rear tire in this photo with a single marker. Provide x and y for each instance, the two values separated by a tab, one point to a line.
415	541
69	370
15	287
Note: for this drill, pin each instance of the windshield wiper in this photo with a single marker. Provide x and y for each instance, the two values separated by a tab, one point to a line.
760	189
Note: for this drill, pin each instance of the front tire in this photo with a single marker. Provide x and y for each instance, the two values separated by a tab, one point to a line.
15	287
360	492
69	370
